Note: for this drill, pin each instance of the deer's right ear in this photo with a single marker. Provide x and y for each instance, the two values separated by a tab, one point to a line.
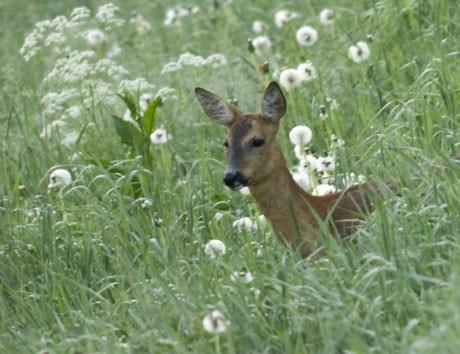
215	107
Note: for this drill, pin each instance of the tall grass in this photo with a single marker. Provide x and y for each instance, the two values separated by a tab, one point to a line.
87	270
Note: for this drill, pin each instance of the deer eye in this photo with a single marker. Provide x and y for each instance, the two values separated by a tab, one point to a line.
257	142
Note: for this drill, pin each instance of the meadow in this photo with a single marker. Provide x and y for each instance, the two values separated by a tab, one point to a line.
113	256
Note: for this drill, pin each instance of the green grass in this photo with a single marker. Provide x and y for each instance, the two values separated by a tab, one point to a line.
94	273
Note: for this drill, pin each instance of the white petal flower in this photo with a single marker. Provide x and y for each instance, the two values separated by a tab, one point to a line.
218	216
215	248
245	191
323	189
244	224
284	16
262	45
307	71
59	179
244	277
301	179
300	135
215	322
160	136
290	79
95	37
258	26
326	17
306	36
359	52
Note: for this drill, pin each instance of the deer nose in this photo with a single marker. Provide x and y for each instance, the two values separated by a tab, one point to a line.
233	179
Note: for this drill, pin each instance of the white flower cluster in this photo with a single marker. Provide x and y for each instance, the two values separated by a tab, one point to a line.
292	78
188	59
175	14
284	16
83	79
315	174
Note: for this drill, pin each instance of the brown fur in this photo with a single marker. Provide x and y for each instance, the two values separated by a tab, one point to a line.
296	216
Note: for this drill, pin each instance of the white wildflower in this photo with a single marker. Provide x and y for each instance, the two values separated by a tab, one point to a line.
73	111
262	220
51	127
284	16
218	216
170	67
301	151
146	203
70	138
300	135
307	71
95	37
166	93
54	38
190	59
359	52
262	45
59	179
107	15
79	14
114	51
323	189
326	17
327	163
216	60
310	163
245	191
145	100
215	248
290	79
134	87
160	136
258	26
302	179
306	36
336	142
243	277
215	322
141	24
244	223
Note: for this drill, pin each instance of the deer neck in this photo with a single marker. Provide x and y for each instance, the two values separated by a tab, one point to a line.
290	210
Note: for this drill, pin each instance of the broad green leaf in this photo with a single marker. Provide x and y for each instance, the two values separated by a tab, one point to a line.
130	103
128	132
149	118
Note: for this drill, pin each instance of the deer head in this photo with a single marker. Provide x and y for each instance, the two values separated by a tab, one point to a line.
252	150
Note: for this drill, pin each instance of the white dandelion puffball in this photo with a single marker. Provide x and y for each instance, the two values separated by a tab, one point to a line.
300	135
261	44
306	36
327	163
290	79
95	37
215	322
301	179
258	26
160	136
359	52
323	189
59	179
215	248
284	16
243	277
326	17
244	223
307	71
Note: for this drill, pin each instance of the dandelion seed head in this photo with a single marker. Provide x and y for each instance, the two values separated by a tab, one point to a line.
59	179
244	223
284	16
215	322
290	79
243	277
359	52
160	136
307	71
215	248
326	17
262	45
323	189
302	179
300	135
258	26
306	36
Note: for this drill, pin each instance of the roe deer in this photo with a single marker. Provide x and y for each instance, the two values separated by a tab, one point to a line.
255	160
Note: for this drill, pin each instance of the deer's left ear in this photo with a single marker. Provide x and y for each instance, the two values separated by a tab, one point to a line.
216	108
273	104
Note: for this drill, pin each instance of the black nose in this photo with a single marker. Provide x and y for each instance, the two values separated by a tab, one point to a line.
234	179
